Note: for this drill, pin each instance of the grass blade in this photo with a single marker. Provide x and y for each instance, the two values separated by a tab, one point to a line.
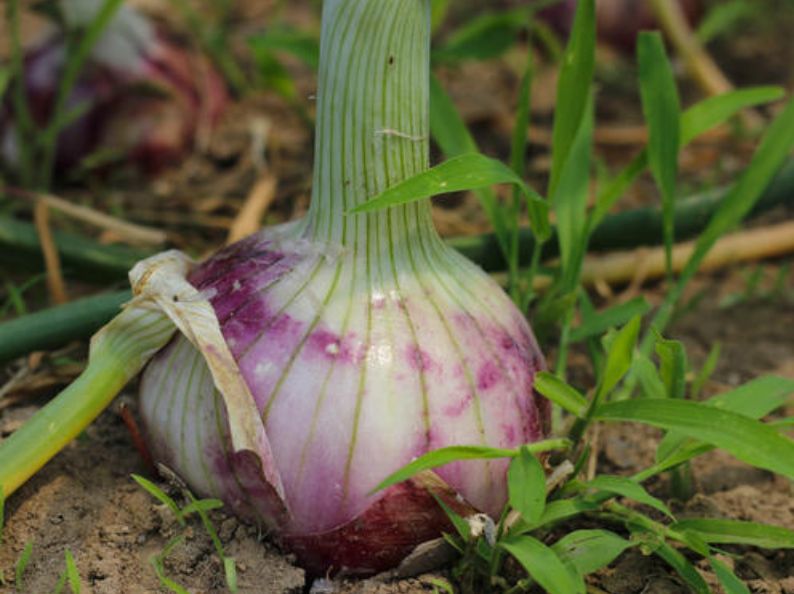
728	580
543	565
698	119
573	89
464	172
230	571
453	137
590	550
160	495
483	38
201	505
673	368
648	376
738	532
684	568
767	161
569	200
5	78
299	44
72	573
560	393
24	559
620	355
626	487
444	456
618	315
526	481
745	438
661	107
754	399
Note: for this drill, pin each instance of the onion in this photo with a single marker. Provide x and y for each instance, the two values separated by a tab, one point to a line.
363	340
314	359
148	97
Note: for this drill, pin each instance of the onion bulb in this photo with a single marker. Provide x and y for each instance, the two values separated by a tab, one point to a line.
363	341
145	98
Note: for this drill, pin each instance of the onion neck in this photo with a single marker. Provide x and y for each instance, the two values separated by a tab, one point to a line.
372	121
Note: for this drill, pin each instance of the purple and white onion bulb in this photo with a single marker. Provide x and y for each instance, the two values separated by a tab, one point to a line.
364	341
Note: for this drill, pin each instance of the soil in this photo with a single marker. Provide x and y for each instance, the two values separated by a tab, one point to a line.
84	501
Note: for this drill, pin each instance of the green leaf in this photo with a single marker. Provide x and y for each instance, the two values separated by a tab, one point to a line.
747	439
673	367
723	17
569	199
684	568
543	565
483	38
526	481
464	172
650	381
775	147
439	12
230	571
703	116
450	454
613	317
5	78
24	559
662	108
202	505
590	550
560	393
620	355
453	138
573	88
461	525
160	495
738	532
705	372
302	45
447	127
730	583
754	399
626	487
698	119
158	563
72	573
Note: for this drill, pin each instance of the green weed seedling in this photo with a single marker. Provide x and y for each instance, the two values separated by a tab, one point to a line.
194	506
22	564
728	421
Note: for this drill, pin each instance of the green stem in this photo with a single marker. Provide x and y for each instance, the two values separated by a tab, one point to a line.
54	327
117	355
372	122
81	258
